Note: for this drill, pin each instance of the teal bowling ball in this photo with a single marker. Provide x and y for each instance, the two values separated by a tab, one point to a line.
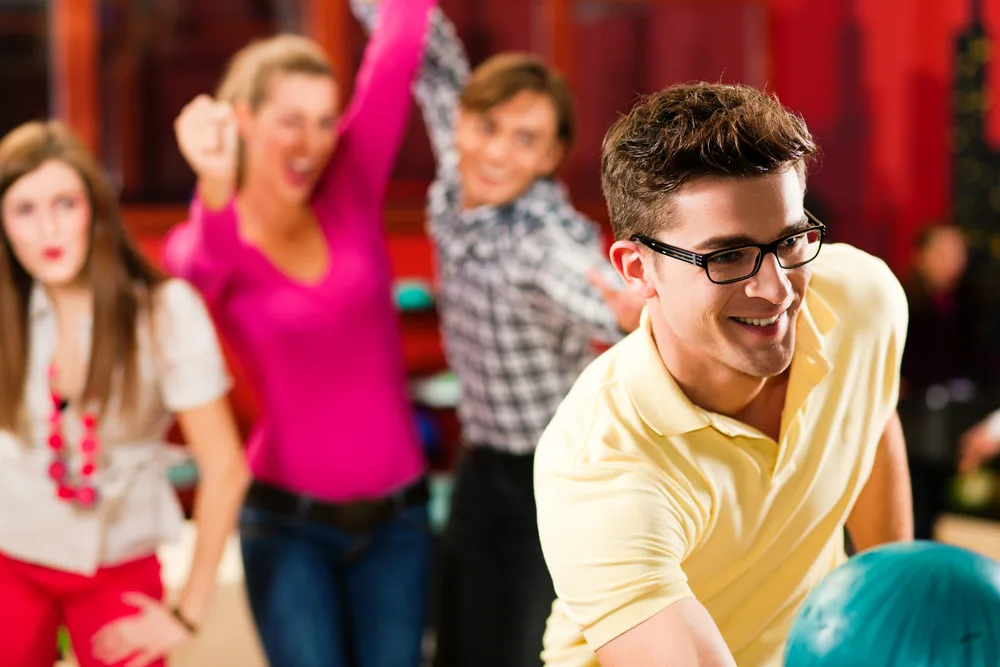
914	604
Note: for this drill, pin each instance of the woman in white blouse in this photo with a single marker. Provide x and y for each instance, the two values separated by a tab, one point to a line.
98	354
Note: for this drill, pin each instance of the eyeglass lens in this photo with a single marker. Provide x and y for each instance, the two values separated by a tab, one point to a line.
740	263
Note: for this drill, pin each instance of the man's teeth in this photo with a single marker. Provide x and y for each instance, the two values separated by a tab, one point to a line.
758	322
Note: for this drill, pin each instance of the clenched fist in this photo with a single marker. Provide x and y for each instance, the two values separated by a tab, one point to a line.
206	136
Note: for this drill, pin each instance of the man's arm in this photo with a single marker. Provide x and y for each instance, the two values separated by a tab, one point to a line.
883	511
441	79
992	426
614	540
979	444
574	281
682	635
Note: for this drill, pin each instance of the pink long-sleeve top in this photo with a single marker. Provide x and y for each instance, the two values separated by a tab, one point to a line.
325	359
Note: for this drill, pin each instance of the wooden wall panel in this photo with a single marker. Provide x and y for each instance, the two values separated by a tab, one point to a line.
329	23
75	84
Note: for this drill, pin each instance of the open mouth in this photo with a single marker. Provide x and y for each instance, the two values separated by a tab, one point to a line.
300	170
758	322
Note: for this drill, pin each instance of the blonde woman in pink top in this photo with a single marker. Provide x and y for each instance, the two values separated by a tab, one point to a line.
285	241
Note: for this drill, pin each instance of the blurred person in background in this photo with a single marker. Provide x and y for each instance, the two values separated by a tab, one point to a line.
100	354
286	242
980	444
941	368
526	290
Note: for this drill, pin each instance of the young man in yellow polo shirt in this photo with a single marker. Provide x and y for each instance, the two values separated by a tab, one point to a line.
695	483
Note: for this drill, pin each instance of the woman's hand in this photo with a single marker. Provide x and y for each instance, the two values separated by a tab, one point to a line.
142	638
207	138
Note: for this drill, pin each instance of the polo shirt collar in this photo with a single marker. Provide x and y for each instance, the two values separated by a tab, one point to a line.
659	401
666	409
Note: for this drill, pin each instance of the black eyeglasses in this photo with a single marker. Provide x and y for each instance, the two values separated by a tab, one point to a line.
732	265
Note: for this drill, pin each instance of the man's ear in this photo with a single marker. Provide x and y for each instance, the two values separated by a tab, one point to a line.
627	259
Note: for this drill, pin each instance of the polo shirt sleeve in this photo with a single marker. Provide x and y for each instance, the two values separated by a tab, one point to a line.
191	369
614	536
887	310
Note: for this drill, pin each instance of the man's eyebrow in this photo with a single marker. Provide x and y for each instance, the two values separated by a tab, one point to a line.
736	240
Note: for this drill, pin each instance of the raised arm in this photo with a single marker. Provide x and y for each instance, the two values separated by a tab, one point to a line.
442	77
202	249
374	124
571	278
616	562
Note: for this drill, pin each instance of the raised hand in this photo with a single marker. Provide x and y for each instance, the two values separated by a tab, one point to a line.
207	138
624	303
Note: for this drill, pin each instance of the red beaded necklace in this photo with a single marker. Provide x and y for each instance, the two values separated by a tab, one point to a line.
82	492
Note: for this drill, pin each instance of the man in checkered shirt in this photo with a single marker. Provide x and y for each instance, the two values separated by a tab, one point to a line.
523	298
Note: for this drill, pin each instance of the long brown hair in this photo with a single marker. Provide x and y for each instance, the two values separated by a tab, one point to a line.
121	279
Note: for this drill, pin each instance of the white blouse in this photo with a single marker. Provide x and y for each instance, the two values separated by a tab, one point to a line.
179	368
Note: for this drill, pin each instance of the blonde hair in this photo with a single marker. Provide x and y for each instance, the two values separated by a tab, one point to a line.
249	73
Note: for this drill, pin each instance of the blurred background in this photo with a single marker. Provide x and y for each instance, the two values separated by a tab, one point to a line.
898	93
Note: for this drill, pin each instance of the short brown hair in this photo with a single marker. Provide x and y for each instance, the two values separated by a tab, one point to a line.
500	78
121	278
693	131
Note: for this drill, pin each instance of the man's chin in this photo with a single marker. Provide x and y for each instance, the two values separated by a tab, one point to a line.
765	363
771	367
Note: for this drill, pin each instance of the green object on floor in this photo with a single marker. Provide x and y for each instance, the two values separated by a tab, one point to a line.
64	643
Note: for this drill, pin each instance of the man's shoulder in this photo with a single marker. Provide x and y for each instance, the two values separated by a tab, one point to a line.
858	287
595	390
596	414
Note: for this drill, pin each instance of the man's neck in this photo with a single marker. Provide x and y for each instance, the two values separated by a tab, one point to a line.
715	387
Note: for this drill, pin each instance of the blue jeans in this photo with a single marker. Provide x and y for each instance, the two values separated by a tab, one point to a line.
321	597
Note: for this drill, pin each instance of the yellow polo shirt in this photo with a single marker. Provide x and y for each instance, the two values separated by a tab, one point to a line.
645	499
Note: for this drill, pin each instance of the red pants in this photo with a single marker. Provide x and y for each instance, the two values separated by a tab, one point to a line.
35	601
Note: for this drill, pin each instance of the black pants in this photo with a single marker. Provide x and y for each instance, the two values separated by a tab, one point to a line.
930	483
496	591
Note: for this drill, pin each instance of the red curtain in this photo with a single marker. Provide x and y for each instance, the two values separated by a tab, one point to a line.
873	79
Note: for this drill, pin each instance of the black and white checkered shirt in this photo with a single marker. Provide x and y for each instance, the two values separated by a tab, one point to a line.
519	316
